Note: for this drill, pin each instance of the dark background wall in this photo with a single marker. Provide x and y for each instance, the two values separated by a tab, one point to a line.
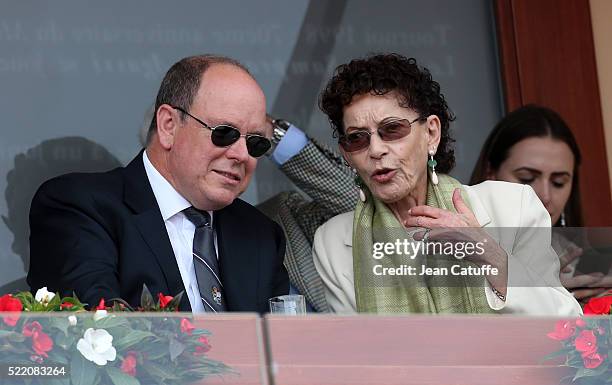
548	58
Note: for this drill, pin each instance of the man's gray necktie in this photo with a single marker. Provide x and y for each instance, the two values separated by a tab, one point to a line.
205	260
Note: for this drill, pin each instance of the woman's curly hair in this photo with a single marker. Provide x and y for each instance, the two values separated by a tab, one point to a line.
383	73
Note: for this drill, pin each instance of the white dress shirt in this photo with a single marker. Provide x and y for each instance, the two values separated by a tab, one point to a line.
180	231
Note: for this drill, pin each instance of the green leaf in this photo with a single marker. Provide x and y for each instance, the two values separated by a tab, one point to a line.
66	341
120	378
117	302
7	333
176	348
25	297
584	372
76	304
157	371
574	360
82	371
132	338
176	300
55	356
550	356
146	299
60	323
57	381
112	321
154	351
16	337
55	303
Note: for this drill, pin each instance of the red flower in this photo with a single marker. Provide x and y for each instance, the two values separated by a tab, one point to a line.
563	330
128	366
164	300
580	323
586	343
10	303
593	360
66	305
30	328
598	305
101	305
41	342
186	326
204	346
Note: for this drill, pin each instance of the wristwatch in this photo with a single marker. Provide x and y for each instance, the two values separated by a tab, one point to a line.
280	127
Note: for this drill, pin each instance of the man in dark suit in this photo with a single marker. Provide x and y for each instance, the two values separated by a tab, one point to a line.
104	235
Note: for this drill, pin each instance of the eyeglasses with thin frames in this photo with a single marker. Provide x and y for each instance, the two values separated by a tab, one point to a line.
388	131
224	135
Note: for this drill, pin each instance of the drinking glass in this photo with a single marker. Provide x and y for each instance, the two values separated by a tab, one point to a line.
292	304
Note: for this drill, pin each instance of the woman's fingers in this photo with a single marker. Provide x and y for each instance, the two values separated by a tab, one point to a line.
567	269
459	203
587	293
420	221
427	211
582	280
569	255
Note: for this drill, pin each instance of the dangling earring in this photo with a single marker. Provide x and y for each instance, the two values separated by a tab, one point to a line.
562	220
431	163
359	185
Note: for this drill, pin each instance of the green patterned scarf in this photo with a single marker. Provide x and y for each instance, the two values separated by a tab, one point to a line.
374	222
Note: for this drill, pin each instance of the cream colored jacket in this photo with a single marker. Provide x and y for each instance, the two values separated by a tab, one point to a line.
511	206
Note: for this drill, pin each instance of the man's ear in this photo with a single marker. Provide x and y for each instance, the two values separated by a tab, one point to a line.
434	131
168	121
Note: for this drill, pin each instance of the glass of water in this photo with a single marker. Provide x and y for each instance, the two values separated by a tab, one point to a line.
292	304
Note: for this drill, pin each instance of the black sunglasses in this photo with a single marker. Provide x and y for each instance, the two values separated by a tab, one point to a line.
388	131
225	135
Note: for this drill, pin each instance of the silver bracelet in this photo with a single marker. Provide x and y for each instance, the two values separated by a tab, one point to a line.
498	294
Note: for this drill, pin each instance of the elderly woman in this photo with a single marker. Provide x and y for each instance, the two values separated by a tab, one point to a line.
392	124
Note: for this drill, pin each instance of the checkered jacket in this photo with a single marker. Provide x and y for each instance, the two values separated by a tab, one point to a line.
328	183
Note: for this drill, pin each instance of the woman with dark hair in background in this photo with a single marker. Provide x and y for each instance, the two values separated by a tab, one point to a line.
533	145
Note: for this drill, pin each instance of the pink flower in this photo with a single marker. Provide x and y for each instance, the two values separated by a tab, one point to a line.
128	366
204	346
186	326
101	305
586	343
66	305
580	323
12	304
593	360
563	330
164	300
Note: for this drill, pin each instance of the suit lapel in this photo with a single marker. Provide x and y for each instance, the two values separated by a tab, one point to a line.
238	260
481	214
139	196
